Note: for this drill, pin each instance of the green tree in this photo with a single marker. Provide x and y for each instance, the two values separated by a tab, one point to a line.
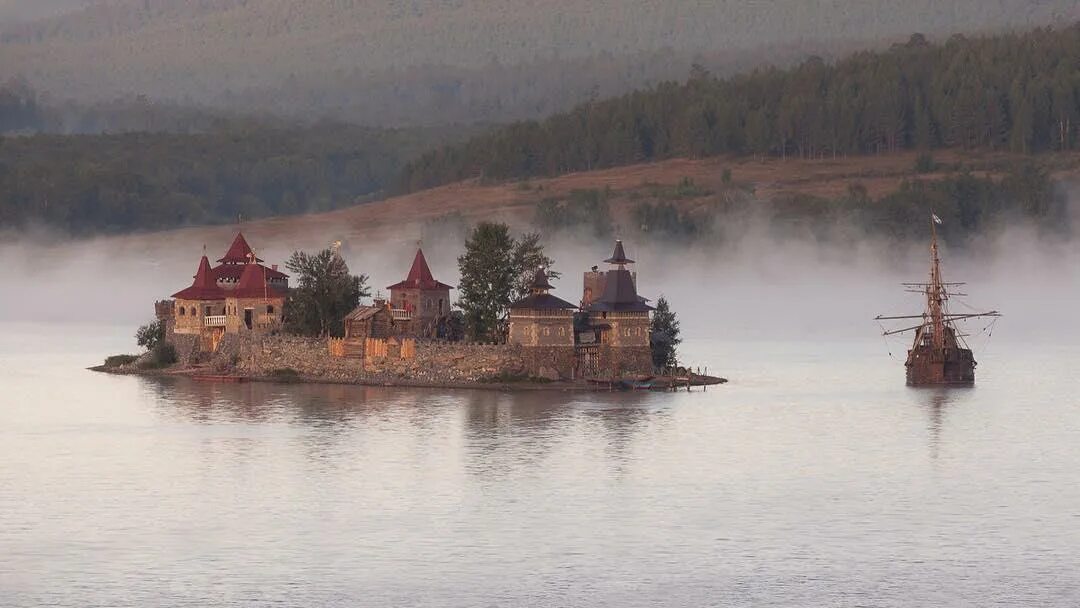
495	270
664	335
325	292
150	335
527	257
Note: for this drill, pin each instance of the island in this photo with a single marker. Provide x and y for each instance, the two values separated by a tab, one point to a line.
228	326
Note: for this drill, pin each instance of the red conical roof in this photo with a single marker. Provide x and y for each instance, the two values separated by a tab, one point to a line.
204	287
239	252
419	276
253	284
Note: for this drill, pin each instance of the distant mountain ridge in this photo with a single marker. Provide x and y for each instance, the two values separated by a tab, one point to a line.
230	51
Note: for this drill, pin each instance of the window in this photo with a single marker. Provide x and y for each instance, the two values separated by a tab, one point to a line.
270	309
182	311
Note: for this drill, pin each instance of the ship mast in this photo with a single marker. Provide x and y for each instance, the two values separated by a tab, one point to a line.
935	290
935	318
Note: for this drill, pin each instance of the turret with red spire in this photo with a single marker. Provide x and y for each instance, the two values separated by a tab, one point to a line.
419	302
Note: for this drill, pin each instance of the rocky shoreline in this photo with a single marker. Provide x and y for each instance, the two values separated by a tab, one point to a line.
494	385
291	359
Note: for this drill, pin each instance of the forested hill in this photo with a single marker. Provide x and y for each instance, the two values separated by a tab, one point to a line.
1014	91
88	184
473	60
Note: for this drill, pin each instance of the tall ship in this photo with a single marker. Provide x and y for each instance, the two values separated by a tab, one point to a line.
938	355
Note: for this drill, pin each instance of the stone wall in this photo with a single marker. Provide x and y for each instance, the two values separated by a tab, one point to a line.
187	347
434	363
622	360
550	362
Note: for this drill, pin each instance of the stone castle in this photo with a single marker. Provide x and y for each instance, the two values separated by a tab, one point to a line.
239	295
606	335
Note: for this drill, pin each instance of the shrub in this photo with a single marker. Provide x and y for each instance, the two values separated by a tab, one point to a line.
924	163
119	360
162	355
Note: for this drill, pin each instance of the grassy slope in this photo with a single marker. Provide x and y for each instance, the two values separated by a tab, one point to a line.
515	201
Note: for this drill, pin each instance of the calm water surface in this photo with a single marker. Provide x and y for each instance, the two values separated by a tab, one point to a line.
814	479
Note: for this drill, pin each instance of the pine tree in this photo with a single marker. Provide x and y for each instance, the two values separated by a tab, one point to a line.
664	335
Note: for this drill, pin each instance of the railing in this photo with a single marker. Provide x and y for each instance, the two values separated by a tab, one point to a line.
214	321
400	314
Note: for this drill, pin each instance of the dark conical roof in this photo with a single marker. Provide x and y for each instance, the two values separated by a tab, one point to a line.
619	257
540	280
204	287
540	299
620	294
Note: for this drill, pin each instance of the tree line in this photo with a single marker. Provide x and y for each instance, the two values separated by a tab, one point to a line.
139	181
971	204
1016	91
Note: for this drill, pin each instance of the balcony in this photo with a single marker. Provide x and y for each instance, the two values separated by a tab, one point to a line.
214	321
400	314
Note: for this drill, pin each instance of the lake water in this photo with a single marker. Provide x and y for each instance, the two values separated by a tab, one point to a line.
815	478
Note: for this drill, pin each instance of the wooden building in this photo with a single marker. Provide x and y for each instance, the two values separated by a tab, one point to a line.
374	321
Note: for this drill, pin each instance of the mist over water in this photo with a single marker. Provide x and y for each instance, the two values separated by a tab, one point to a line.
753	285
815	477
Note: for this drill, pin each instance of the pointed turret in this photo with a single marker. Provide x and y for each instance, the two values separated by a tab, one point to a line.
204	287
619	257
420	276
619	291
539	298
254	284
239	252
540	282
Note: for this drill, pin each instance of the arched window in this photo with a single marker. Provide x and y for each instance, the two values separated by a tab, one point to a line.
192	311
182	311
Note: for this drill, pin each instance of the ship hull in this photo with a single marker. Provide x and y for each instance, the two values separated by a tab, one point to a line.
955	367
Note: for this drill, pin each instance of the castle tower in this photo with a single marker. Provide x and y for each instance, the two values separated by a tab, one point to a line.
419	302
621	320
544	326
195	305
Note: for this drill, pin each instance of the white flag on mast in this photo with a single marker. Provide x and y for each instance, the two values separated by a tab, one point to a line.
937	220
